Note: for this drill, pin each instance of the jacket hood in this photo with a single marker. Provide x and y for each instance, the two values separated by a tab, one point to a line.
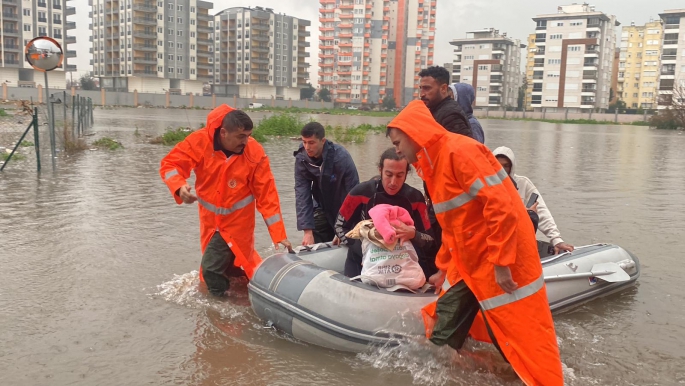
454	91
505	151
215	118
466	97
416	121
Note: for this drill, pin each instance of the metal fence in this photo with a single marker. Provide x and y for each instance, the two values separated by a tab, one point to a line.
58	127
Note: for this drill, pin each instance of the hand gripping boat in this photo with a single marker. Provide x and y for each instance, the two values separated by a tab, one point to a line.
307	296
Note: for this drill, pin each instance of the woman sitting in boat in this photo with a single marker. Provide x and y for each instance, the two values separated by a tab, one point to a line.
388	188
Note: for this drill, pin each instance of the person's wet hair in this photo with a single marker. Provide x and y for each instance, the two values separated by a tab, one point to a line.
392	155
313	129
237	120
440	74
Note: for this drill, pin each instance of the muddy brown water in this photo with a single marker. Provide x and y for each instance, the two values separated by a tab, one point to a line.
98	281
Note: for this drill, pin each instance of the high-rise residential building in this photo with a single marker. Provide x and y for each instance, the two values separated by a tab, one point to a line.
449	66
260	53
530	61
152	46
22	21
672	56
638	65
574	57
614	76
373	49
491	63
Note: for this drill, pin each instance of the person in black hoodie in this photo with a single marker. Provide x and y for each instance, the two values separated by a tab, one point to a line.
434	84
324	174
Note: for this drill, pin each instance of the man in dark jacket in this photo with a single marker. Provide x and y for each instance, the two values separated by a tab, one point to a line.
324	174
434	84
390	188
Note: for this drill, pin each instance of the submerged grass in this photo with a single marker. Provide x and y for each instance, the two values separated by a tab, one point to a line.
172	136
17	157
290	125
3	113
107	143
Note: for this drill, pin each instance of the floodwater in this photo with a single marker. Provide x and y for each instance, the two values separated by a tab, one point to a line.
98	281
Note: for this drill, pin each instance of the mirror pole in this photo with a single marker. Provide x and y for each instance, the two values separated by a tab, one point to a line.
51	117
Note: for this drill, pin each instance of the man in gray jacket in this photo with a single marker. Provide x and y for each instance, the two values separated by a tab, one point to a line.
324	174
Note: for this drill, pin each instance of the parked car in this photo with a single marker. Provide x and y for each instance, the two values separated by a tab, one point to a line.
351	108
254	105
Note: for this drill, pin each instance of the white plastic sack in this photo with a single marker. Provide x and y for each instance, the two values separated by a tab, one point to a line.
394	269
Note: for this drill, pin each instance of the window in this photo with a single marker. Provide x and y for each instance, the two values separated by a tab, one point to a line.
179	45
170	57
468	57
554	61
170	31
192	59
179	20
171	44
574	48
179	8
192	9
170	70
180	70
483	68
192	22
170	19
192	34
27	27
179	58
160	43
179	33
27	12
576	23
556	36
160	56
560	24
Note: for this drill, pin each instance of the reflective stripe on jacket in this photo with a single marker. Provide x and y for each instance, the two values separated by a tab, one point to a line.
484	223
228	189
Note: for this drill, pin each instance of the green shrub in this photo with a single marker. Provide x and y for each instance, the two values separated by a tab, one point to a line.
107	143
3	113
172	136
666	120
26	144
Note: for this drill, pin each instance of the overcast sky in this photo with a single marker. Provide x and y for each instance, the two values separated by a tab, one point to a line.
454	18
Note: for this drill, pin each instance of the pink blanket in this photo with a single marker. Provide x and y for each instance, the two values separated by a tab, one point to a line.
386	218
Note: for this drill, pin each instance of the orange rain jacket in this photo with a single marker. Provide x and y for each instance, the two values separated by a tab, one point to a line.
227	190
484	223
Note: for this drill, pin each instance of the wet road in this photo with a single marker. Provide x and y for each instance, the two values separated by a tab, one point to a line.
98	282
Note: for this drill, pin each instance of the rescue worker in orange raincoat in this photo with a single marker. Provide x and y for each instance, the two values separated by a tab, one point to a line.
488	241
232	177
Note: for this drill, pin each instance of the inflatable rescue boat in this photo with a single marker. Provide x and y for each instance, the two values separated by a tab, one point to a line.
307	296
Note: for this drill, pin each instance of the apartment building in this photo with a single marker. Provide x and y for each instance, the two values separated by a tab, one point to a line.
260	53
22	21
574	58
491	63
449	66
370	50
530	61
152	46
639	64
672	72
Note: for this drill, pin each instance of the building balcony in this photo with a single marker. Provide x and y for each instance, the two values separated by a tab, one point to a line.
145	47
303	54
70	39
260	48
10	15
70	68
10	31
260	38
145	74
205	66
144	34
144	20
303	44
71	53
145	60
260	60
260	70
260	26
13	47
204	53
70	11
204	29
204	41
145	7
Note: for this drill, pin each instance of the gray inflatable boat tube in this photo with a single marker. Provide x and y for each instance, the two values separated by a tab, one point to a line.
307	297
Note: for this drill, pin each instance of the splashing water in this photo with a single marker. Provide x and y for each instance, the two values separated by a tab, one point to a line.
185	290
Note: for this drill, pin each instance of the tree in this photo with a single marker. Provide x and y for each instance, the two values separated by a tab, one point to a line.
673	117
87	83
307	92
388	103
324	95
617	105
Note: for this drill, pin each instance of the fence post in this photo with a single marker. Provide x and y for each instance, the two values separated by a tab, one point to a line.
235	101
290	102
566	114
90	110
40	94
73	105
505	112
616	116
36	137
591	110
4	91
544	112
306	103
64	116
192	100
487	112
102	97
135	98
644	116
